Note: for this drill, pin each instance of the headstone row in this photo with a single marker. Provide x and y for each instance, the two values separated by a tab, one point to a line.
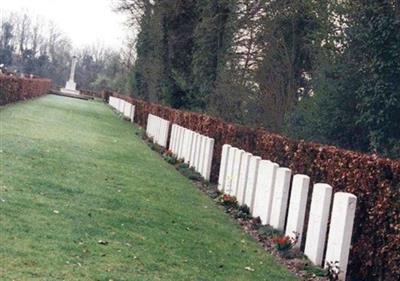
158	129
125	108
194	149
280	200
270	191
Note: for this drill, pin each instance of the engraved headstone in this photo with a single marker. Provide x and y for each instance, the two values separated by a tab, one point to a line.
297	208
236	171
318	222
251	181
223	166
229	170
244	169
280	199
208	156
264	190
340	231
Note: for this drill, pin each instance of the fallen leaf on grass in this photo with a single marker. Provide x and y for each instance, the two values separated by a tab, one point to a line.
248	268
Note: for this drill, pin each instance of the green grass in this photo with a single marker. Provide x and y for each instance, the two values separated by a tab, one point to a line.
72	173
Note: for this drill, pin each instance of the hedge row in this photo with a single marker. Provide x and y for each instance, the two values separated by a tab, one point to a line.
13	89
375	254
90	93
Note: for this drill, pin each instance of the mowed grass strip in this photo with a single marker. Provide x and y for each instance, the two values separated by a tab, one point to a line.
73	175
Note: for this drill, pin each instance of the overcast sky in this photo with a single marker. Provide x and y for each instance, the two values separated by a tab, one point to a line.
85	22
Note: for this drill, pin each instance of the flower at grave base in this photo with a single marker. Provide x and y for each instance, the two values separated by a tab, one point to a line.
283	243
228	200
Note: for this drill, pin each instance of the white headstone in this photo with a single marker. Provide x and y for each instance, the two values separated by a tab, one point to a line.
185	146
155	128
185	143
208	156
297	208
340	231
194	149
164	132
180	142
223	167
236	171
244	169
172	138
148	130
264	190
318	222
175	140
280	199
118	104
251	181
122	104
229	171
111	101
200	153
127	110
160	130
132	115
203	155
189	143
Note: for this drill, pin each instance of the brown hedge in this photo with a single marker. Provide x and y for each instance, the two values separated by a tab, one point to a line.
91	93
13	89
375	254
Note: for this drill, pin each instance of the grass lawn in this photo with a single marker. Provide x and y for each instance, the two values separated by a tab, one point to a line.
72	174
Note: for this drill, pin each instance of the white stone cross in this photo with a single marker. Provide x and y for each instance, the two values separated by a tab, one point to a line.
70	86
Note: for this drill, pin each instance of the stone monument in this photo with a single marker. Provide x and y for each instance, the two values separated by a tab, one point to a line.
70	86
